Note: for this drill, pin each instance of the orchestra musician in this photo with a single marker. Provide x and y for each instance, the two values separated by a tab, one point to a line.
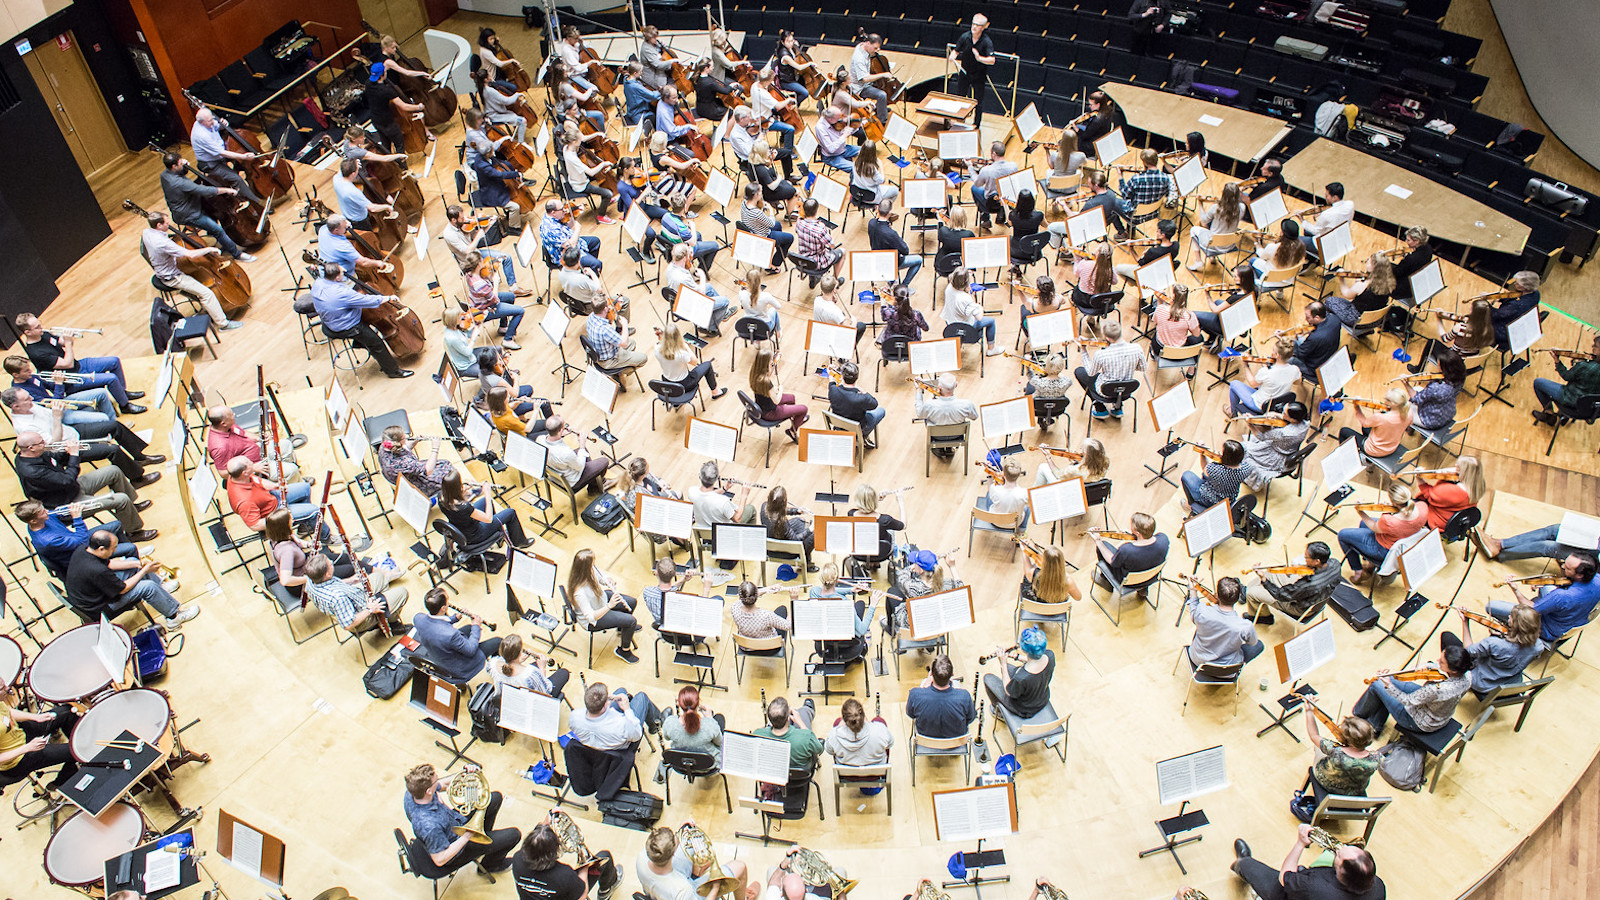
1417	706
1118	361
1222	637
960	307
793	725
684	271
756	302
833	133
353	202
862	80
527	669
573	465
491	304
508	419
482	158
972	55
953	230
657	71
1104	116
1560	608
639	98
1316	348
335	248
539	873
1417	253
900	319
666	873
184	196
593	596
339	306
1473	334
667	109
709	90
775	191
1381	432
397	456
226	440
1336	211
1092	465
850	402
500	100
49	352
1450	491
489	50
827	588
864	502
1358	296
635	481
1434	403
1047	580
1147	550
95	589
1352	875
790	523
462	247
290	552
1526	285
1297	597
1498	659
1065	160
1220	219
558	229
494	373
1582	379
1366	545
457	653
1341	764
680	366
944	408
163	254
1043	299
1052	383
1256	390
1245	292
54	539
1270	179
750	620
26	746
212	156
986	184
570	49
111	439
477	519
1284	253
1178	326
1100	197
611	338
881	235
1007	496
1220	482
384	103
857	741
94	404
570	98
815	244
936	707
1023	688
1151	185
1166	244
794	67
56	478
758	219
1269	445
434	823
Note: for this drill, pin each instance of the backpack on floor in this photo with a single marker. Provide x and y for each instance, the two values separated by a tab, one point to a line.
632	809
604	514
1402	765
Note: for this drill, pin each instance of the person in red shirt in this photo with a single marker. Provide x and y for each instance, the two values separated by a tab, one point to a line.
1450	491
1366	545
253	498
226	440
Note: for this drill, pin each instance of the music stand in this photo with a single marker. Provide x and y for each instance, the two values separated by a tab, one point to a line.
1167	410
538	716
1180	779
1297	657
440	701
130	871
554	325
1419	561
961	815
251	851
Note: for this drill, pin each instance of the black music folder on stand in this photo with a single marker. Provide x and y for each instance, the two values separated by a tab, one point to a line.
105	779
130	872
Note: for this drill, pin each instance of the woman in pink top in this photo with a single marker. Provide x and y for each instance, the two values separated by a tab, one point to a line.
1175	324
1095	275
1381	432
1366	545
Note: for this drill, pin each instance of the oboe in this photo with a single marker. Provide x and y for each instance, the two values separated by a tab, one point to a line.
467	615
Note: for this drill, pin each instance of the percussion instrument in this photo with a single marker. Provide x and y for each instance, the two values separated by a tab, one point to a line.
76	855
12	660
142	711
67	670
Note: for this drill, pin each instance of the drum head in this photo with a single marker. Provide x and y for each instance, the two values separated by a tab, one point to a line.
11	661
67	669
142	711
77	852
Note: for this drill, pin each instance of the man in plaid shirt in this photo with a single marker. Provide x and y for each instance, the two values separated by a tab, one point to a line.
814	242
347	603
1149	186
611	342
1117	362
558	230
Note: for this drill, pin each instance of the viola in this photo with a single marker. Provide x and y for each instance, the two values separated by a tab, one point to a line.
223	276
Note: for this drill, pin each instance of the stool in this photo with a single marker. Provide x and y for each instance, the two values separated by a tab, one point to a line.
195	326
171	294
311	333
343	353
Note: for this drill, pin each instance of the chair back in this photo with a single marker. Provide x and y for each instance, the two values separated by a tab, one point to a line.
1276	277
921	741
1041	608
1345	807
879	771
1104	303
1030	248
1212	673
896	348
751	410
863	197
1135	580
969	334
1118	391
1185	354
671	393
450	533
1222	243
758	645
1032	729
1096	493
948	435
1050	407
785	550
752	329
575	308
1370	320
1143	211
1006	521
689	762
1462	522
946	263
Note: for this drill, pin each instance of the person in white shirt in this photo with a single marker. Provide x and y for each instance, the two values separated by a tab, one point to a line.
594	599
579	281
755	302
945	409
827	309
681	366
1009	496
1339	211
462	247
572	466
666	873
612	721
857	741
684	270
960	308
712	506
1252	393
986	184
579	183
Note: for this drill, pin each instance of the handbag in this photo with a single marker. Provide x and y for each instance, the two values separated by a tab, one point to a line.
387	676
604	513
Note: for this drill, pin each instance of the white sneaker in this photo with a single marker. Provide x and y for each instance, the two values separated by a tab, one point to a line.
185	613
247	257
994	351
170	585
361	543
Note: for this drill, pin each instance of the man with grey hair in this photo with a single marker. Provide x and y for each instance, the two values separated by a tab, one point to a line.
1505	312
986	184
212	155
833	140
945	409
53	477
882	236
339	306
712	506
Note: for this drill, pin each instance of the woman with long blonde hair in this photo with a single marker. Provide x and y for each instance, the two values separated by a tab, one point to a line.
679	365
1357	297
1380	432
1049	581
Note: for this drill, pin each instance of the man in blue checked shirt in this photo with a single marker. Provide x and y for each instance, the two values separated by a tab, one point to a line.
557	230
1149	186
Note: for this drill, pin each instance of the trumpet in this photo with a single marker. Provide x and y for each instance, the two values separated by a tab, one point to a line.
1536	581
81	442
987	657
1419	676
1051	892
63	377
63	331
92	505
1324	839
164	570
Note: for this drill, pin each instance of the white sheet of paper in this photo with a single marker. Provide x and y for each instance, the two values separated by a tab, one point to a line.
1191	775
1085	227
1110	148
353	441
752	250
1336	372
1006	417
1239	318
164	378
635	223
532	575
177	435
935	356
850	537
829	193
412	506
109	649
828	448
944	106
711	439
527	247
805	145
530	713
327	161
935	614
1213	121
923	193
872	265
421	239
1155	276
599	389
427	167
541	141
761	758
525	454
1423	559
247	846
719	133
1335	244
554	323
958	144
633	135
1014	184
202	486
719	187
1190	175
973	814
1579	531
1340	465
447	381
1058	500
731	541
1049	328
1398	191
1208	529
694	306
1172	406
986	252
664	515
1309	649
1427	282
478	431
337	404
691	614
1028	122
1268	208
832	619
161	869
1524	332
834	341
899	132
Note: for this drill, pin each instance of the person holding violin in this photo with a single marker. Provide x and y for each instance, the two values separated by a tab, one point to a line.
756	302
500	99
862	79
868	174
1044	299
1498	659
1220	484
1008	495
580	182
1561	607
900	319
1298	597
493	373
383	104
462	247
1252	393
1052	383
184	196
1092	465
679	364
1271	444
559	230
815	244
163	253
491	304
961	308
767	391
683	270
1102	118
1270	179
1358	296
1381	432
850	402
794	67
1424	706
675	174
1367	545
1468	335
1342	764
833	133
1582	379
1414	254
986	184
1319	346
943	408
758	219
1222	637
611	337
1177	326
1117	361
212	156
1336	211
1147	550
1450	491
339	306
1211	319
1525	285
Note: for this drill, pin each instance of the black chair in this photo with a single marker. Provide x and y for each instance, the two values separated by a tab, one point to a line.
1048	409
752	414
1112	394
943	265
673	396
1026	251
1587	409
287	601
896	348
1438	744
864	199
458	551
969	334
619	374
751	330
1294	467
1101	305
691	765
415	861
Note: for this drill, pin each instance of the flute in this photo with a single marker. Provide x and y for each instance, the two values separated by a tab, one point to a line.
996	655
891	493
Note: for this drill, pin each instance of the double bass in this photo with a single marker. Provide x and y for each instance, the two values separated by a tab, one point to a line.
411	128
223	276
388	228
515	152
438	102
238	215
365	243
384	179
396	323
268	174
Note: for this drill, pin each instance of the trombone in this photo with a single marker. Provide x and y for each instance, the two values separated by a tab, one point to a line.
62	331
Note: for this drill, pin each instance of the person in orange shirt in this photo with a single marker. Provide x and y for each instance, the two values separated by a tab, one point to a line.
1366	545
1451	491
1381	432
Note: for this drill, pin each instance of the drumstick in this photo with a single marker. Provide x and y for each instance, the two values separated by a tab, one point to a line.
120	744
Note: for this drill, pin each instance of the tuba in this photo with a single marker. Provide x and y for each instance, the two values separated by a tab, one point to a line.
813	869
468	794
927	890
697	847
571	838
1050	892
1325	839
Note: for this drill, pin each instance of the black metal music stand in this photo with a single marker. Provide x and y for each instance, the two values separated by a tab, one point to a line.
1182	823
1288	705
1167	450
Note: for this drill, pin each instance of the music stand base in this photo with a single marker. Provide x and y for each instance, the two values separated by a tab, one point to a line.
456	753
976	861
1181	823
1286	711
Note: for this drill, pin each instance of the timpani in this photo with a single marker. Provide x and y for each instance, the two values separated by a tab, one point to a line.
12	660
68	671
77	853
142	711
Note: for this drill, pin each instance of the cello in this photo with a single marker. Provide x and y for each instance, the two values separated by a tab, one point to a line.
605	148
695	174
390	281
517	153
891	86
225	278
600	75
510	71
268	174
606	179
396	323
680	75
411	128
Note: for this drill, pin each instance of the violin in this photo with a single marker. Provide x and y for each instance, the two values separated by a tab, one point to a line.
1576	355
223	276
1249	183
1031	548
1026	362
1107	534
1536	581
1439	476
1416	676
1059	452
1449	316
1490	622
993	473
472	222
1279	570
1496	296
1206	594
1201	449
925	384
1385	508
1254	360
1296	331
1419	378
1264	421
1364	403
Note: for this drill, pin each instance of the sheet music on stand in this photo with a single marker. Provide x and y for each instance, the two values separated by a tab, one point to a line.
752	250
555	321
412	505
923	193
1006	417
1336	372
829	194
1524	332
932	615
709	438
975	813
1238	318
1014	184
599	389
1190	175
694	307
1191	775
1208	529
763	759
541	140
899	132
202	486
1111	148
719	187
1172	406
1058	500
525	454
1268	208
871	265
532	574
1304	653
527	246
958	144
108	646
935	356
691	614
530	713
353	442
478	431
805	146
663	515
986	252
1577	530
1086	227
250	850
421	239
847	535
1422	560
832	341
1334	244
829	619
1427	282
1155	276
745	542
337	404
1028	123
827	448
1049	328
635	223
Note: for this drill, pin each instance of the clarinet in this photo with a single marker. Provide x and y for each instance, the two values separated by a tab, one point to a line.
466	615
977	742
366	583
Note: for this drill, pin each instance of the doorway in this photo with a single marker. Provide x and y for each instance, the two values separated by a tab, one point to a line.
74	99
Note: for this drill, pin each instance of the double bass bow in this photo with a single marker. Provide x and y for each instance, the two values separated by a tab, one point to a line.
223	276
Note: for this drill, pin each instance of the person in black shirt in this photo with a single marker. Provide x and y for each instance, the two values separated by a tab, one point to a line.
474	520
866	500
1149	18
52	477
855	404
1105	118
50	353
708	91
1418	253
1025	217
974	53
1146	552
1353	875
380	93
953	230
1316	348
882	236
184	196
1023	689
1166	245
541	875
96	589
1271	180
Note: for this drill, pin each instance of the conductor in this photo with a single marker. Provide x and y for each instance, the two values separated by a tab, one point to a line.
973	55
